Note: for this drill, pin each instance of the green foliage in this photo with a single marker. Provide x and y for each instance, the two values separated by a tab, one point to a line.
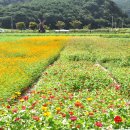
60	24
33	25
75	24
20	25
46	27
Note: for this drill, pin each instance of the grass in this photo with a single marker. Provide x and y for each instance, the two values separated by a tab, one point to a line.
109	35
22	61
74	93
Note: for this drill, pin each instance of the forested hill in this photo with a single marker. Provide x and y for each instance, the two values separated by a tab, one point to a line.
124	4
98	13
7	2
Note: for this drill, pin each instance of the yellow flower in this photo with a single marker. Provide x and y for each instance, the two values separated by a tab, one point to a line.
21	100
77	101
47	114
48	103
89	99
58	109
87	113
13	97
18	93
44	108
49	92
123	103
1	99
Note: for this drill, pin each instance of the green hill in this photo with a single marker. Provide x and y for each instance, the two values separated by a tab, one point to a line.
124	4
98	13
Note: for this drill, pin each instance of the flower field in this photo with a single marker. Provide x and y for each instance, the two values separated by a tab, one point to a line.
22	61
74	92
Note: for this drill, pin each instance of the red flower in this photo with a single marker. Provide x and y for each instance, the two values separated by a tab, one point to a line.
17	119
43	97
71	97
15	110
36	118
78	104
118	119
82	106
78	126
65	97
23	107
34	104
71	113
73	118
117	87
63	115
51	97
45	105
8	107
91	114
98	124
25	98
104	111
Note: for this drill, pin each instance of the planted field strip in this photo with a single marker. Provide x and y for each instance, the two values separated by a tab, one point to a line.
113	54
22	62
72	93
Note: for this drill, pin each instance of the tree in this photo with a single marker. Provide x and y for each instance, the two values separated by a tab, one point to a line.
90	26
20	25
60	24
75	24
46	27
33	25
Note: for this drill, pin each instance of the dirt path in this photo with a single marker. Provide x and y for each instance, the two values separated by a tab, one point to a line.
109	73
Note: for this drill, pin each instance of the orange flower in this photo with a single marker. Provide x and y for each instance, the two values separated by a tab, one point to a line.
36	118
78	104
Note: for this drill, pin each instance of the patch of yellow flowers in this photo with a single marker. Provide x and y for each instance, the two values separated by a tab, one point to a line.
18	60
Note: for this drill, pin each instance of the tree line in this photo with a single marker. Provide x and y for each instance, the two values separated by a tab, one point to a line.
60	25
95	13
